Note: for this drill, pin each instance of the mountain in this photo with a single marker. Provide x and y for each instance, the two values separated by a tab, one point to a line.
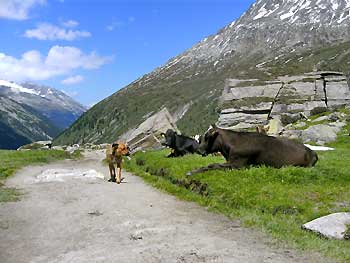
30	112
272	38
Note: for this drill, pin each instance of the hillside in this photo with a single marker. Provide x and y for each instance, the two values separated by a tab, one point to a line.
29	113
271	39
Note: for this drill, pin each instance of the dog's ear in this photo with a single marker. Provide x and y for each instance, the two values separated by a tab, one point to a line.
115	145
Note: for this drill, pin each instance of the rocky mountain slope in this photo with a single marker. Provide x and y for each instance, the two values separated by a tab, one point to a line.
273	38
29	112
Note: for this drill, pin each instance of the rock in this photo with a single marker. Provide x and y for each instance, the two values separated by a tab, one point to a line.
275	127
60	148
336	226
292	134
245	104
300	125
320	134
147	134
322	118
267	91
236	121
335	116
338	125
36	145
72	149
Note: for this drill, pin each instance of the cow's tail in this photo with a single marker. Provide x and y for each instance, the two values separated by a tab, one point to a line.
312	157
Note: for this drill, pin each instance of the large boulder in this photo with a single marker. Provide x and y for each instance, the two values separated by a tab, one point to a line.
148	133
322	133
36	145
336	226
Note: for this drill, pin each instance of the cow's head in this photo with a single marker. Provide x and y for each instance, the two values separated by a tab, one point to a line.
207	143
169	138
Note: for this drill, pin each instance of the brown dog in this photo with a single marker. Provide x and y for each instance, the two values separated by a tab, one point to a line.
114	155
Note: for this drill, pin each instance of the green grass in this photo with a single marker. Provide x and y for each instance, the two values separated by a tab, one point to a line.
11	161
276	201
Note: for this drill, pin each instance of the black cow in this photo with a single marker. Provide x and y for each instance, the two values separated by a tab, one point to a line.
242	149
180	144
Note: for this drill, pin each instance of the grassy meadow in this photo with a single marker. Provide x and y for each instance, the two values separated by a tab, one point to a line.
11	161
275	201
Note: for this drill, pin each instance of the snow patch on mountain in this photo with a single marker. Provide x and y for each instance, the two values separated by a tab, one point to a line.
17	88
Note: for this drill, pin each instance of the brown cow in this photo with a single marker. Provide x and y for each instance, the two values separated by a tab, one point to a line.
242	149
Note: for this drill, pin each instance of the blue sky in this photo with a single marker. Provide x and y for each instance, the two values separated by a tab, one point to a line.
92	48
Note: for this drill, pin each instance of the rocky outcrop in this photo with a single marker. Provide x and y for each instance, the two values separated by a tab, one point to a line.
245	104
147	134
36	145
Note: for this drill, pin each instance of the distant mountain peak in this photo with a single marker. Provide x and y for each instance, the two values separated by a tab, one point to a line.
302	11
14	87
33	112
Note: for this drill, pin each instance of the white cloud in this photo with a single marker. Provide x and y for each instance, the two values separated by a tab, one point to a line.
58	62
72	80
70	23
47	31
17	9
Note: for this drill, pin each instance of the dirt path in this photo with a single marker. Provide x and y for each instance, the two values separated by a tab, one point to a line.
91	220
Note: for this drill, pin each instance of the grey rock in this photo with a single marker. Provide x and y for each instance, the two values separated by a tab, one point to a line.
337	126
322	118
300	125
263	106
292	134
288	98
320	134
269	91
35	145
335	226
241	120
147	134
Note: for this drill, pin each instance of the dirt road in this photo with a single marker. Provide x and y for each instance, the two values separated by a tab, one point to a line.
91	220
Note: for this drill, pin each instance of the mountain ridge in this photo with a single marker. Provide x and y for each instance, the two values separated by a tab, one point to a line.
30	112
268	34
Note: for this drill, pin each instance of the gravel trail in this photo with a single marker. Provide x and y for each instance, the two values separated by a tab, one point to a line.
91	220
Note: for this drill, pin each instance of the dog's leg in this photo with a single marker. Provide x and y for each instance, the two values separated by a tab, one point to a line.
111	172
119	175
